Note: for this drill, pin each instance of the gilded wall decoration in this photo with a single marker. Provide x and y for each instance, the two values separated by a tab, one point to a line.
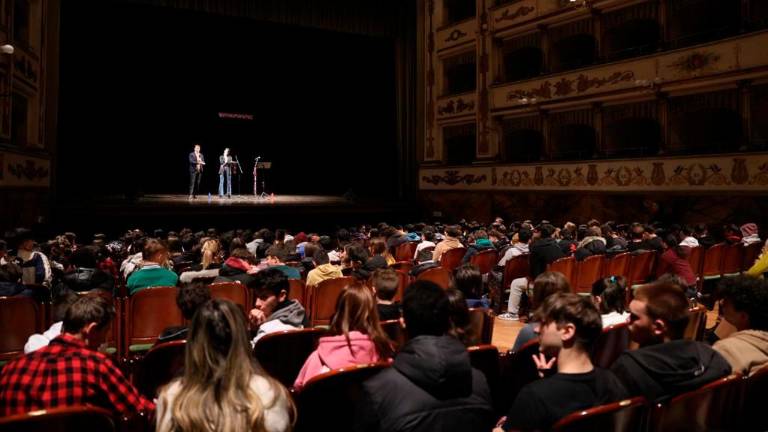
24	171
695	62
721	173
567	86
508	15
456	106
455	35
453	178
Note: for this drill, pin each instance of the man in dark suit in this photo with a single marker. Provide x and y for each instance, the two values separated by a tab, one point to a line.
196	163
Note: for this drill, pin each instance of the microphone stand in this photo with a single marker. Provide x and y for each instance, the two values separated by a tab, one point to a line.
240	175
256	178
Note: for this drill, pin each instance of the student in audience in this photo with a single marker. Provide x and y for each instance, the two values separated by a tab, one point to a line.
687	238
355	336
427	241
610	296
459	315
61	302
152	272
133	261
10	280
380	256
450	241
276	259
84	274
274	311
570	325
354	263
69	371
544	251
701	232
675	261
189	299
744	304
547	284
223	388
665	364
431	385
519	246
237	268
424	262
482	243
749	234
385	283
35	266
323	270
469	281
760	265
593	244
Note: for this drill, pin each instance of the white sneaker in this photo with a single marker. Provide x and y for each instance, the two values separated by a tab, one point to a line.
508	316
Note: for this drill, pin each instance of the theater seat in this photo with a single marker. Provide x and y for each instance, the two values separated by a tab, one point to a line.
622	416
322	299
235	292
20	318
438	275
517	369
282	354
452	258
147	313
613	341
76	418
158	367
326	402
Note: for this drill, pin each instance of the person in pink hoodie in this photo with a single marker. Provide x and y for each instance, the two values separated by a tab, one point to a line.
356	336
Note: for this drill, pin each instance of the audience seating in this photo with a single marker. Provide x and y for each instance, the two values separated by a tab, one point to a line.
755	395
696	324
485	260
75	418
403	280
696	260
733	258
617	265
395	331
147	314
515	268
114	341
481	324
404	266
712	267
622	416
282	354
20	317
322	299
452	258
566	266
296	291
751	253
516	369
405	251
613	341
233	291
159	366
326	401
438	275
587	272
640	268
485	358
715	406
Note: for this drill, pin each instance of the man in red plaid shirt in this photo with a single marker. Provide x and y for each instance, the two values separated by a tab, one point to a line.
70	371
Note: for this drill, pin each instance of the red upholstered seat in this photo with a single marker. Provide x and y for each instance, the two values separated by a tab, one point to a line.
282	354
75	418
622	416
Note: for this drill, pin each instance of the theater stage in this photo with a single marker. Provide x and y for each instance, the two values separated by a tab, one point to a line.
294	212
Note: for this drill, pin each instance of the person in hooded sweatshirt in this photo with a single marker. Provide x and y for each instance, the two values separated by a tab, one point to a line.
237	268
431	385
744	304
323	270
273	310
665	364
481	243
355	336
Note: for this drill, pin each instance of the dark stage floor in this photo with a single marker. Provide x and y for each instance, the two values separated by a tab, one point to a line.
113	215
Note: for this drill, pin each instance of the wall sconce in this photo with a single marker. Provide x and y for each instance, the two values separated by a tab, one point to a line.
650	85
6	49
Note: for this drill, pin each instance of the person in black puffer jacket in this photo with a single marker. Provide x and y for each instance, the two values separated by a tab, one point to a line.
431	385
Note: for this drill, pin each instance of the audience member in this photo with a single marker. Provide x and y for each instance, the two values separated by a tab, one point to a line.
451	241
355	336
610	296
431	385
547	284
323	270
152	272
385	283
189	299
222	388
61	302
665	364
273	310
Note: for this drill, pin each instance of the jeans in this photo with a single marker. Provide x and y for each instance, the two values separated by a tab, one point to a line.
515	293
228	174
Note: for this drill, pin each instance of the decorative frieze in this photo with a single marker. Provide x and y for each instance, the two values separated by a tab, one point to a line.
18	170
747	172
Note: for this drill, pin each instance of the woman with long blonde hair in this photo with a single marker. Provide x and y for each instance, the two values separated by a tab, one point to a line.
356	337
222	388
211	253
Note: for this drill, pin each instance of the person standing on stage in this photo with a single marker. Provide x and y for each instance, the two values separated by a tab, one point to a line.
196	163
225	170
